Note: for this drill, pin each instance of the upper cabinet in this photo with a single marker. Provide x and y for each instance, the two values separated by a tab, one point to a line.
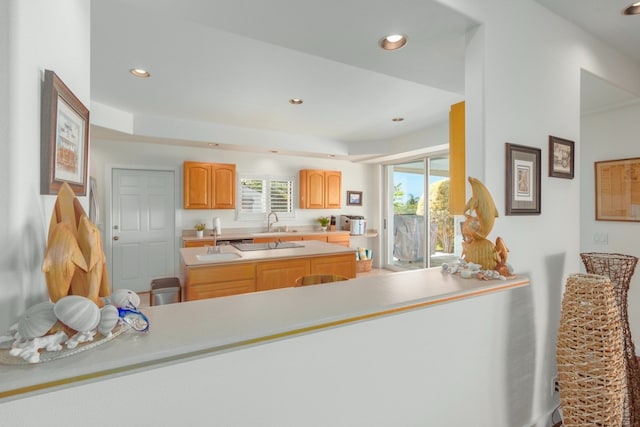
320	189
209	185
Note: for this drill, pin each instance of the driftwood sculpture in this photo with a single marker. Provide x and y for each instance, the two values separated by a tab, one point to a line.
481	213
74	261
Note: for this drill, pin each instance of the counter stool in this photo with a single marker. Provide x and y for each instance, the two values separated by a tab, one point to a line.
165	291
316	279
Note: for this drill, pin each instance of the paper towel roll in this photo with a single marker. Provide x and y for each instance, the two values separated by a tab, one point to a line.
216	226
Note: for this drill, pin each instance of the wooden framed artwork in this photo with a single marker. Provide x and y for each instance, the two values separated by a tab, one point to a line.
354	198
561	157
64	138
618	190
522	180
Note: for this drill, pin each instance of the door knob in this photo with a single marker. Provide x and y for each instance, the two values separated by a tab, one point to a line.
116	238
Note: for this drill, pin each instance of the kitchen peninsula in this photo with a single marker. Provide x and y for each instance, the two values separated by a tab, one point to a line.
256	267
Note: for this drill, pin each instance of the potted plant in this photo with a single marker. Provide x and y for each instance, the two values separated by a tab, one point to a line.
324	222
199	230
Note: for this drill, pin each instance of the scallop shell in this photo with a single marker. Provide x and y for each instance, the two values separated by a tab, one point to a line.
108	319
77	312
124	297
37	320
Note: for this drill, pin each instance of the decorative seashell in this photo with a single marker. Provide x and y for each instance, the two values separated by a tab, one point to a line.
108	319
124	297
77	312
37	320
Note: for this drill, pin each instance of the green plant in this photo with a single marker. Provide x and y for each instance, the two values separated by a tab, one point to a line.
324	221
200	227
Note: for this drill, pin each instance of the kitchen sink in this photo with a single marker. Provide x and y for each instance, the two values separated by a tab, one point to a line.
265	246
218	257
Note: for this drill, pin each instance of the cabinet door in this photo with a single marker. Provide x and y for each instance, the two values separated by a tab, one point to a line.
197	185
333	189
312	189
339	239
218	281
224	186
280	274
343	265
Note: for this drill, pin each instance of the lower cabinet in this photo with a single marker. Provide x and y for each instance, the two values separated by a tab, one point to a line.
211	281
281	273
219	281
343	265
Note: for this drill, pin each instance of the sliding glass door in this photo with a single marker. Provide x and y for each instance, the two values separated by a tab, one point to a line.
419	229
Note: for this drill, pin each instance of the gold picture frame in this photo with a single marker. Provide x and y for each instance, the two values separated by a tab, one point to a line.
618	190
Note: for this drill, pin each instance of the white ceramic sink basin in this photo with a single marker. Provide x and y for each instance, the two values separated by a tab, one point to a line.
218	257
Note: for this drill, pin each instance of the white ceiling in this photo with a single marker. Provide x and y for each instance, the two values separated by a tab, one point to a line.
237	62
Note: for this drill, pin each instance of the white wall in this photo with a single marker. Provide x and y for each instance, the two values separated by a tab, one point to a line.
492	357
610	135
40	35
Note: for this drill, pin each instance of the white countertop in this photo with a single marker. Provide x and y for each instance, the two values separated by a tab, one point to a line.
197	328
308	248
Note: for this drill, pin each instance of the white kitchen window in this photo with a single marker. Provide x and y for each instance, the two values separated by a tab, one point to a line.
260	195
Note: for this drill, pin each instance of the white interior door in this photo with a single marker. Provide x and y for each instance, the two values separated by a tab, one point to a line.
143	227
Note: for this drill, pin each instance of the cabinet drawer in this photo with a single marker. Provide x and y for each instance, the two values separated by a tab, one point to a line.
220	273
280	274
221	289
343	265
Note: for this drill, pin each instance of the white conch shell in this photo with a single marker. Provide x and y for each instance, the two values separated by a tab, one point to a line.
108	319
77	312
37	320
124	297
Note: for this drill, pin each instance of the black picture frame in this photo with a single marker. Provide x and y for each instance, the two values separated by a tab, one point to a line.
354	198
561	157
64	138
522	180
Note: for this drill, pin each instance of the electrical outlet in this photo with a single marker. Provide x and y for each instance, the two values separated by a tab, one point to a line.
555	385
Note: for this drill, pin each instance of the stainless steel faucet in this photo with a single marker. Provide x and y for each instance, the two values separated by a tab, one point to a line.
269	223
215	248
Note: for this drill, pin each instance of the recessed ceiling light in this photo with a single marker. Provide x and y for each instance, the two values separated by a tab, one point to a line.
397	119
393	42
139	72
295	101
634	9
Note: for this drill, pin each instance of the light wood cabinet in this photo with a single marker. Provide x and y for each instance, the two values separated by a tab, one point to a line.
343	265
209	185
218	281
280	273
320	189
197	243
277	239
339	239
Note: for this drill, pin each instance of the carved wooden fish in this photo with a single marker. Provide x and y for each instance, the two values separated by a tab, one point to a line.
61	258
482	204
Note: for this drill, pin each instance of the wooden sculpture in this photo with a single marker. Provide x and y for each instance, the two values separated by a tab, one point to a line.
481	213
74	261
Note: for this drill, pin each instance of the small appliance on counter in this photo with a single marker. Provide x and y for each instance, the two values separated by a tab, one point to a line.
356	224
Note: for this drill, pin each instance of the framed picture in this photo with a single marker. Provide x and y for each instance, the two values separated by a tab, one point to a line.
354	198
561	157
618	190
64	138
523	180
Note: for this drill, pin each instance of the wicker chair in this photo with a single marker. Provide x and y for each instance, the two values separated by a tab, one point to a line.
619	269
